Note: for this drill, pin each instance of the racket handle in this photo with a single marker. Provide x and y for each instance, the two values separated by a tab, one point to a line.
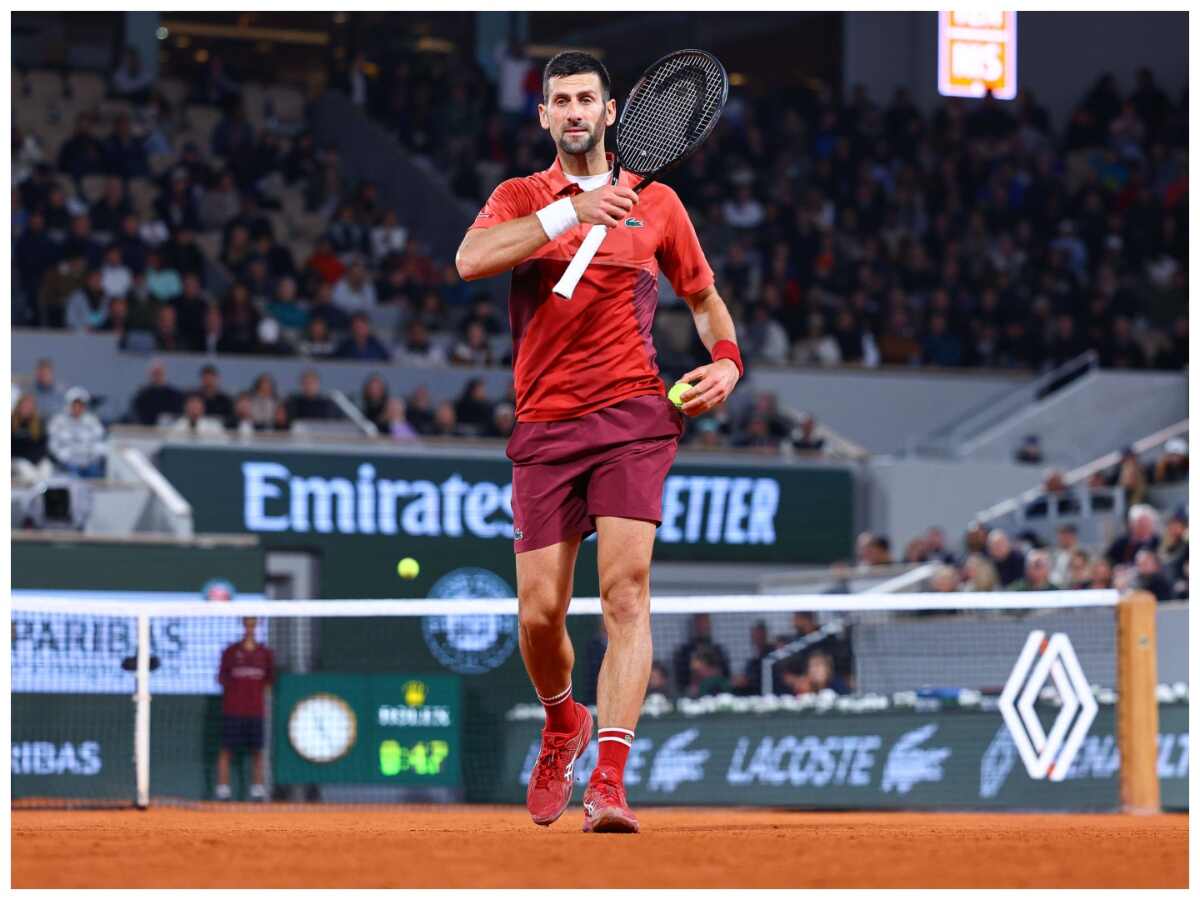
583	256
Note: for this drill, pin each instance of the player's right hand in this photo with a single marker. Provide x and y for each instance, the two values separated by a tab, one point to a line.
608	205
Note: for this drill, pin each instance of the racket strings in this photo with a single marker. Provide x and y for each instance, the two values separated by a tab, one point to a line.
668	113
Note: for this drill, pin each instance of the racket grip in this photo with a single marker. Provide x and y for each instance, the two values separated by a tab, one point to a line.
583	256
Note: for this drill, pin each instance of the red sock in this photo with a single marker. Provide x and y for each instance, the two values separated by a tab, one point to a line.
614	749
560	712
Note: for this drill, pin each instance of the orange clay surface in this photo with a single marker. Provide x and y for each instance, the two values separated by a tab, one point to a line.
459	846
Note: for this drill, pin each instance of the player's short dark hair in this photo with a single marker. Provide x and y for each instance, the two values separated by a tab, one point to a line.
574	62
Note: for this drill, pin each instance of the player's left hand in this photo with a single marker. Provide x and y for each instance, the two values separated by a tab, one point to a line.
711	385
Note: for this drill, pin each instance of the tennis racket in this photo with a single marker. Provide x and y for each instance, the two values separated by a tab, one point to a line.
670	112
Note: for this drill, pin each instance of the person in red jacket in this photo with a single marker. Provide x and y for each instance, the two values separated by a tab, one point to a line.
247	672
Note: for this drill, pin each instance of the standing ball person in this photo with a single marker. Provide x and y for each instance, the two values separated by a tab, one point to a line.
595	432
247	671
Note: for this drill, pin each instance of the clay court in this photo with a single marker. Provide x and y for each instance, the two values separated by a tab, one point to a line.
444	847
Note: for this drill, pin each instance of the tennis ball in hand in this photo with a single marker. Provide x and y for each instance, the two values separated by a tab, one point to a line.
678	389
408	568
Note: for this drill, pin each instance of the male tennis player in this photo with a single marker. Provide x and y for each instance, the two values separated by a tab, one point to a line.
595	433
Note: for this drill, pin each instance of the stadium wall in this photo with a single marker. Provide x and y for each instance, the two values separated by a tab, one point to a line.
888	50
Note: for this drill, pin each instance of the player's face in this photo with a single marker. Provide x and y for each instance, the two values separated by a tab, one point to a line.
575	112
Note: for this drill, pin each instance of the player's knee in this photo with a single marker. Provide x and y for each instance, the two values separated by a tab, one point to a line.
541	612
626	601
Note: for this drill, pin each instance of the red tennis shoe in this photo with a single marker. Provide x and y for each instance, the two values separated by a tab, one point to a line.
604	805
553	777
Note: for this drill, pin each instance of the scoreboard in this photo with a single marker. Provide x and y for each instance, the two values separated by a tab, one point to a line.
977	52
368	729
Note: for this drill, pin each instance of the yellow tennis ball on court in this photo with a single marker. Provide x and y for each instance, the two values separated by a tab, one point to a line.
678	389
408	568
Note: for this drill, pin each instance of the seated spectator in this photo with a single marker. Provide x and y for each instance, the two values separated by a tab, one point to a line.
1080	570
502	423
1150	576
167	336
944	580
263	400
473	349
311	402
419	410
286	308
660	681
979	574
707	678
1009	561
879	551
82	154
1067	544
77	438
418	349
345	235
241	318
176	205
28	431
87	308
35	254
116	278
395	422
219	204
1173	550
58	284
820	674
131	81
184	253
1142	534
484	313
473	410
50	397
326	263
217	404
1101	575
700	639
355	292
1030	451
1172	466
361	343
162	280
125	152
806	437
322	308
156	398
120	321
1037	574
242	421
281	419
194	423
374	400
445	421
317	342
749	680
388	237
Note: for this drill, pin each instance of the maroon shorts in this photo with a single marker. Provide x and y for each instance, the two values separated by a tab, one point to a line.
612	462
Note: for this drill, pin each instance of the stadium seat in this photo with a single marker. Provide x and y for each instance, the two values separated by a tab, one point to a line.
174	90
88	87
142	192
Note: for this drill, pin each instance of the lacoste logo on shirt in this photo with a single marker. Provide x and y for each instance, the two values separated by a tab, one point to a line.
518	534
632	222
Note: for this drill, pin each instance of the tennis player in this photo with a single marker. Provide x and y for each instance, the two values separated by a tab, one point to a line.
595	432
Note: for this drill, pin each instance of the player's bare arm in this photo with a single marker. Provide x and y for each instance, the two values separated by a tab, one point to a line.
491	251
714	382
576	113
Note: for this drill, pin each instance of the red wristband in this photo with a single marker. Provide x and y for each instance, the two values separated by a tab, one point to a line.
728	350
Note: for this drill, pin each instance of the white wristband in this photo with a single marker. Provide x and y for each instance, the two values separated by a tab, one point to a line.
558	217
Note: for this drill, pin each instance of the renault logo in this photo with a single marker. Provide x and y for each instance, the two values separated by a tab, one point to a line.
1041	660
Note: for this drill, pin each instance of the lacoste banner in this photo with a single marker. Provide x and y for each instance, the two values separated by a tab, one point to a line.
956	759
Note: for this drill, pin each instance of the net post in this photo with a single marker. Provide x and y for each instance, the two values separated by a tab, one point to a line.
1137	706
141	699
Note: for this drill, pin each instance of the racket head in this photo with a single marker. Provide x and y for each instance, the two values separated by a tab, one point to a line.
671	111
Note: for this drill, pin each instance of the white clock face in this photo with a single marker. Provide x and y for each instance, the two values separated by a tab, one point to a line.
322	728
